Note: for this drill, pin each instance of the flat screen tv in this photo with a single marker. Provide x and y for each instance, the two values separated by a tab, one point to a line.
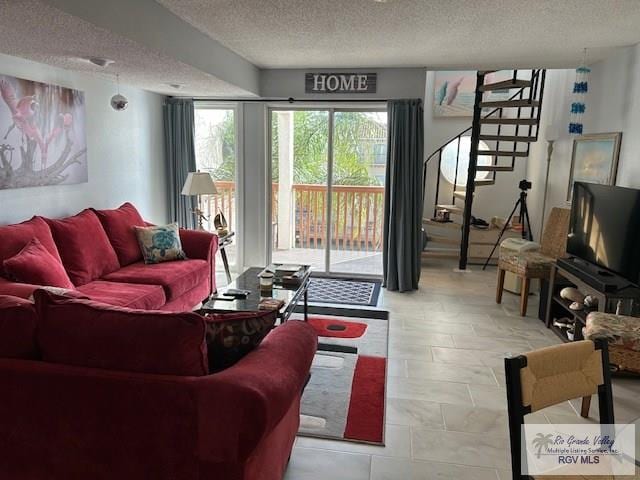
605	228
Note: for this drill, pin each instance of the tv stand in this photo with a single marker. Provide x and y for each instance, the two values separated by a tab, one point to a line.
609	289
593	275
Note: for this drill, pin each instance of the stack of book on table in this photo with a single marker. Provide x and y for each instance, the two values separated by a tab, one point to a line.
287	274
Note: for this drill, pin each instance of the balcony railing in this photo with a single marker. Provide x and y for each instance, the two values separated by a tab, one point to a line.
357	213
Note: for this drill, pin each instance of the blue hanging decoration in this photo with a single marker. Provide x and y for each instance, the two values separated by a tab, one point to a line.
578	104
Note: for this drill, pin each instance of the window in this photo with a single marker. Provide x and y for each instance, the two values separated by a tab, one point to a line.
450	154
380	153
215	144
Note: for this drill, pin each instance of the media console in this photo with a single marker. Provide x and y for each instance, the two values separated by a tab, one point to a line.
595	276
612	292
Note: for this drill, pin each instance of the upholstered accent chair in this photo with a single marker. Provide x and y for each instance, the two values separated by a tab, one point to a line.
550	376
535	263
623	335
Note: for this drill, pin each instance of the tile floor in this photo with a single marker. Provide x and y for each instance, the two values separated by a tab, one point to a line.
446	405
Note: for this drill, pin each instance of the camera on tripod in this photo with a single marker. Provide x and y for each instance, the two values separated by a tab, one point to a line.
523	216
524	185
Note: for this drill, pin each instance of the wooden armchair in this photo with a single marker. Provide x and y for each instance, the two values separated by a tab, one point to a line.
535	264
552	375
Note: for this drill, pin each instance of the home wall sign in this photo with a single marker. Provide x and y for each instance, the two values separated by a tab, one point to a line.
340	82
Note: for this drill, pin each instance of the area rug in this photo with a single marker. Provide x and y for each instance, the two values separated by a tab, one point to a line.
345	396
346	292
332	327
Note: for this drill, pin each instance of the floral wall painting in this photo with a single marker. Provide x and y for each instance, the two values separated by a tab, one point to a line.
454	91
42	134
594	159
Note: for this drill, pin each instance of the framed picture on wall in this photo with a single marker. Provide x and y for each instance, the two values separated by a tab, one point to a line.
594	159
42	134
454	92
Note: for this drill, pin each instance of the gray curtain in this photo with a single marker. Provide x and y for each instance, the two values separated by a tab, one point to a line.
401	248
181	158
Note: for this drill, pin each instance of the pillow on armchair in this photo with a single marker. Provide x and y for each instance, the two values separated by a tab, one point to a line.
230	336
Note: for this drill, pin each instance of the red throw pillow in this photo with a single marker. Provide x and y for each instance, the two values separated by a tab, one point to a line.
118	224
35	265
230	336
13	238
85	333
84	247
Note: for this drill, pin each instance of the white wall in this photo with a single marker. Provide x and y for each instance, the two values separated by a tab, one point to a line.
125	151
613	105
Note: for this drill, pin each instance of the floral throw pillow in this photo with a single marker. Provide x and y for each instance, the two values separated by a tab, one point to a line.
230	336
160	243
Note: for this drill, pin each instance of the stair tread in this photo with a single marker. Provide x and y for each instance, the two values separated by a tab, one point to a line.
504	85
452	208
510	103
508	138
450	225
484	181
460	193
509	121
502	153
495	168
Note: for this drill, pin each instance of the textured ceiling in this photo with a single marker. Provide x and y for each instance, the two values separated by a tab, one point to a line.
432	33
36	31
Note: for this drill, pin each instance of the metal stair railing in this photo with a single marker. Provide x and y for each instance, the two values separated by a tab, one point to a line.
531	101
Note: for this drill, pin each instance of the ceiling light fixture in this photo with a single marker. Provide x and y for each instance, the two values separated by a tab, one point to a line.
101	62
176	86
119	102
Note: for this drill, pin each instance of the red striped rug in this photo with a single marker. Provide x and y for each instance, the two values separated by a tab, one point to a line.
365	420
345	396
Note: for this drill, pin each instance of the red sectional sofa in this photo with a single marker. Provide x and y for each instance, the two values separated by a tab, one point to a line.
76	405
100	253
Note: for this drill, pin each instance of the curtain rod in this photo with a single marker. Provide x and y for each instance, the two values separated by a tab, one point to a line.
291	100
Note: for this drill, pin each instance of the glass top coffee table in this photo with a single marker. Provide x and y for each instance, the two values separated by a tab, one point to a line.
292	295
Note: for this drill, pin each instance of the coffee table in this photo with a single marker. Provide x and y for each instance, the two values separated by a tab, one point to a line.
291	295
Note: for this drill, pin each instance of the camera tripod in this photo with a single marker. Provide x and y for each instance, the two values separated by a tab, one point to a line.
524	220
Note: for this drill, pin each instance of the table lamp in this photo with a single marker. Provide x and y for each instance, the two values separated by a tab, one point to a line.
199	183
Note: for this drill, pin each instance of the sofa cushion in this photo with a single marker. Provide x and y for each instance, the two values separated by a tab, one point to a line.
160	243
18	321
119	223
130	295
91	334
230	336
176	277
35	265
15	237
84	247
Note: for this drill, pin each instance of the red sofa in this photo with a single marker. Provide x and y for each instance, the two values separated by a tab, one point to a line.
101	256
69	410
64	422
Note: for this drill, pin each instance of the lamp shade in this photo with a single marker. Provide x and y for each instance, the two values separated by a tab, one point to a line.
199	183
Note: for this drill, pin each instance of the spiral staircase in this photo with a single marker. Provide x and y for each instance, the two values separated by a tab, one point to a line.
508	128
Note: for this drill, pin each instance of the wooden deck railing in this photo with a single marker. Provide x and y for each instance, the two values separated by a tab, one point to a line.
357	213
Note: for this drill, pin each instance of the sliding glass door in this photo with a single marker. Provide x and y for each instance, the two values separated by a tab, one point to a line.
358	175
215	140
328	171
299	153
